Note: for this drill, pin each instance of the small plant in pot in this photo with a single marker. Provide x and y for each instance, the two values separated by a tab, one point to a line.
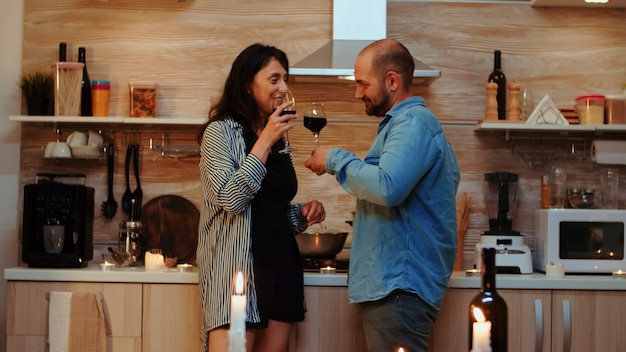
37	88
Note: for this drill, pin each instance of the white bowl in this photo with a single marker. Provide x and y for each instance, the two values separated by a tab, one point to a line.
61	150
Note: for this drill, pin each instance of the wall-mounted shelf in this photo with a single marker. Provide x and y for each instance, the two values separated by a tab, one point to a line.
123	120
562	130
539	145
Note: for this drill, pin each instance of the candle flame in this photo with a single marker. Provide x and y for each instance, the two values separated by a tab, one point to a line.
478	315
239	284
400	349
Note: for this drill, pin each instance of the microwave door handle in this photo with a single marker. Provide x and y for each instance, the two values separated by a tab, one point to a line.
567	326
538	325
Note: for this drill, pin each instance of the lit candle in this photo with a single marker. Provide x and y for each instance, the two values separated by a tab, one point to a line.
328	270
481	332
400	349
237	332
620	274
183	268
107	266
154	261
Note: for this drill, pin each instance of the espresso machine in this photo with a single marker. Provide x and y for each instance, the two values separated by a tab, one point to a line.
57	222
512	255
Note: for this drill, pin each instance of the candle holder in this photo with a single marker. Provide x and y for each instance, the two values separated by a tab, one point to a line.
472	272
328	270
620	274
107	266
184	268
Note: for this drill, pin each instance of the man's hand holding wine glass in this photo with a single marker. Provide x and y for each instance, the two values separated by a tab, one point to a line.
317	161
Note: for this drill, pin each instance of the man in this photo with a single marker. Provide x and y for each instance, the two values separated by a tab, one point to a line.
404	234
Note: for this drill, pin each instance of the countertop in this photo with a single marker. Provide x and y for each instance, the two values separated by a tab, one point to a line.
93	273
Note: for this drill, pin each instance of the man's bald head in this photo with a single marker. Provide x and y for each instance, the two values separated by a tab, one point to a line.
390	55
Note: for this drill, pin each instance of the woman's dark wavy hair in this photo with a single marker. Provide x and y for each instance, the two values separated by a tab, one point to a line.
236	101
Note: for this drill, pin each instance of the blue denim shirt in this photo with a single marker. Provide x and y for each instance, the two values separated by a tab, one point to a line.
404	231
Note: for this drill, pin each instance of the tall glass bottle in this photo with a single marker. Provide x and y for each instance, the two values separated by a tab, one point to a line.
85	95
498	77
62	52
488	316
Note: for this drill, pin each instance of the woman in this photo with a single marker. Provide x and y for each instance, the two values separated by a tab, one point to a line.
247	220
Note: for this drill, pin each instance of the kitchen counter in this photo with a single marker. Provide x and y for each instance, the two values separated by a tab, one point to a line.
92	273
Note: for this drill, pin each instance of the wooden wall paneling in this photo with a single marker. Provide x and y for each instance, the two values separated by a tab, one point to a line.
188	48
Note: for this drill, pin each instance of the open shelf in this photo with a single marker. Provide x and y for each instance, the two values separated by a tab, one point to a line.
124	120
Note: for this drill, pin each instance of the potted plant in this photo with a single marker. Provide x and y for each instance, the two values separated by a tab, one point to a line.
37	87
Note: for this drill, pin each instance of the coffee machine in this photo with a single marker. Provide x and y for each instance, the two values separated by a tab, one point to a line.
512	255
57	227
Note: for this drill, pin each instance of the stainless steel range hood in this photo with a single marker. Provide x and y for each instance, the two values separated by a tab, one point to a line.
356	23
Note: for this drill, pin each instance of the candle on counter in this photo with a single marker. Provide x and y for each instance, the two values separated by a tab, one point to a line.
237	331
183	268
328	270
107	266
472	272
154	260
481	332
619	274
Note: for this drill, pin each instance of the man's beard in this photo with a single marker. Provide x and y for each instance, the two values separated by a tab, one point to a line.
381	108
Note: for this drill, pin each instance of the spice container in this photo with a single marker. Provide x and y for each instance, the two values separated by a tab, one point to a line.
67	91
615	109
100	97
590	109
143	99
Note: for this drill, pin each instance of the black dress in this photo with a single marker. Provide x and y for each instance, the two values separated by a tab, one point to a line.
278	272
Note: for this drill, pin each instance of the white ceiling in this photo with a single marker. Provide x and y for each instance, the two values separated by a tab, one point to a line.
577	3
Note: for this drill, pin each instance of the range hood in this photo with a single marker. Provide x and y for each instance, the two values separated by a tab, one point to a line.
356	23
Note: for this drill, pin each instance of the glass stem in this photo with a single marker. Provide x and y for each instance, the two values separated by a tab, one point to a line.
317	140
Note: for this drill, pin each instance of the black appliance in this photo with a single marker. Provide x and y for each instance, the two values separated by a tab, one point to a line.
57	228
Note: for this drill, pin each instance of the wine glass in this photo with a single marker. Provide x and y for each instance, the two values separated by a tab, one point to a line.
287	96
315	119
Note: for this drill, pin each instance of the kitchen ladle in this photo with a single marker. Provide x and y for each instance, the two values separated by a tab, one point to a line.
128	194
137	193
109	206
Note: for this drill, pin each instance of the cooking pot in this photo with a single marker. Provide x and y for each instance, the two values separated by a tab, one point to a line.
320	245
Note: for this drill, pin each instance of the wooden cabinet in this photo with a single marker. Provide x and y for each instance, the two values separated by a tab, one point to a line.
541	320
144	317
330	324
27	313
171	318
588	321
529	320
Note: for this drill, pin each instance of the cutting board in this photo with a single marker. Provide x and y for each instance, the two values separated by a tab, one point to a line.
170	223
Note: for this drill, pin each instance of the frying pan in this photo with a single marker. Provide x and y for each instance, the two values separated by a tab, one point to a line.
321	245
170	223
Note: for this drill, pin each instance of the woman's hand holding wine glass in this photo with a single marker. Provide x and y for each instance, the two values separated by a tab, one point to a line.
291	109
315	119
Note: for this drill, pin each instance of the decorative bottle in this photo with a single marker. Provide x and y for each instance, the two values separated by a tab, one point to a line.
498	77
85	93
62	52
488	317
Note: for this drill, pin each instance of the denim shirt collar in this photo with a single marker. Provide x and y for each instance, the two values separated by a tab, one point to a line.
402	106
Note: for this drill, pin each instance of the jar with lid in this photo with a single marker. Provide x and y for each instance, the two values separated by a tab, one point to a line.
130	242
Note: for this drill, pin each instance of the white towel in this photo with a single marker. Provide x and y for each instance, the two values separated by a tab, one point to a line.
59	321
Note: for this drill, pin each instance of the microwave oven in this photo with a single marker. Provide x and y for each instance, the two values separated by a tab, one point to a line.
583	240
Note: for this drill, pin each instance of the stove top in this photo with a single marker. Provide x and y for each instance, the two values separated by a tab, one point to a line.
314	264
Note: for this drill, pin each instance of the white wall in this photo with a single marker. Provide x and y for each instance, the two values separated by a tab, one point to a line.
10	97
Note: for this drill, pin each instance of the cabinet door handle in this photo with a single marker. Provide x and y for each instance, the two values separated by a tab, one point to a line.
538	325
567	326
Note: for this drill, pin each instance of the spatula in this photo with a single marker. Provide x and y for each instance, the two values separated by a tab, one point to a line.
109	206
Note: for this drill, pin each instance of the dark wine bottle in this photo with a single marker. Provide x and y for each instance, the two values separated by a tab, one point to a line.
498	77
85	96
488	316
62	52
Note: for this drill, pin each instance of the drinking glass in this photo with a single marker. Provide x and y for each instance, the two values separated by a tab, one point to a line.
287	96
527	103
315	119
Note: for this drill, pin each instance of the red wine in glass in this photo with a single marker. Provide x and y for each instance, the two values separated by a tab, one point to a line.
315	119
